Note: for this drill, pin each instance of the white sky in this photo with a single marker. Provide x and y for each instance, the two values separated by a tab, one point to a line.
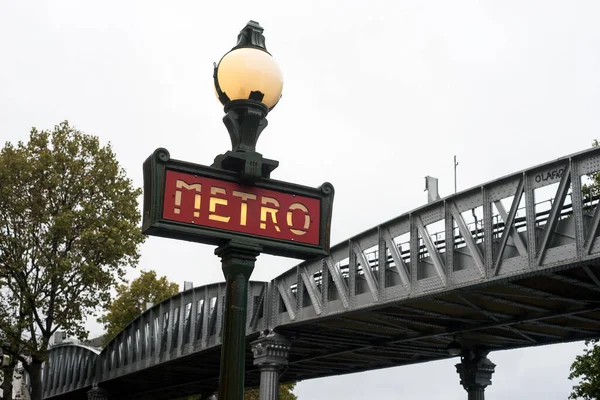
377	95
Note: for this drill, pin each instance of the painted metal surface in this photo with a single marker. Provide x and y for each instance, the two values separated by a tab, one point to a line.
494	234
69	367
209	205
201	201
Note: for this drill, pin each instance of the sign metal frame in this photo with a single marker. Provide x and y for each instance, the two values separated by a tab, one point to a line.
155	170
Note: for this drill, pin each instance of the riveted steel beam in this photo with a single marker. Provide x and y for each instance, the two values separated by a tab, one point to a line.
508	225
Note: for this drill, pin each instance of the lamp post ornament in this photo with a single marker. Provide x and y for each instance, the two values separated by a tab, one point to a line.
234	204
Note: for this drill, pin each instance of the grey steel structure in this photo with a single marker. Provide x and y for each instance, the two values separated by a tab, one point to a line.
491	268
70	366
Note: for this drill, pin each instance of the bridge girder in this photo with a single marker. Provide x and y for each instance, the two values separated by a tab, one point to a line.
489	266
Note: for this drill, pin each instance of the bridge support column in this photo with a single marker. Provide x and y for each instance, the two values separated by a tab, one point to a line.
475	371
97	393
271	356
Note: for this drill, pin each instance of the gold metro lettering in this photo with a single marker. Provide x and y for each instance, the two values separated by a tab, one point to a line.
220	207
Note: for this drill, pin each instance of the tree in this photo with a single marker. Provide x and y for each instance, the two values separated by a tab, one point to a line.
593	187
69	224
586	367
7	362
6	373
285	392
131	301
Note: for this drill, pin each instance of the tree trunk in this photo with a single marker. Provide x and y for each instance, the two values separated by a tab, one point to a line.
7	382
35	376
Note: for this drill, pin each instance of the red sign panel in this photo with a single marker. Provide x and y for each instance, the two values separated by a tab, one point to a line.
232	207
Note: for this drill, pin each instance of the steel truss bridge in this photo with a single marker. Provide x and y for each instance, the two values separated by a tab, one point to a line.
509	264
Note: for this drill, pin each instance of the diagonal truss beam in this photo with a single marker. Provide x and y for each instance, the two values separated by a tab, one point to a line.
565	327
401	267
431	249
381	320
355	331
306	341
366	324
537	309
520	331
460	330
494	316
575	282
409	319
437	315
517	240
517	304
466	234
387	358
318	335
289	302
559	199
338	280
313	291
593	231
592	276
367	271
508	223
538	293
259	305
479	309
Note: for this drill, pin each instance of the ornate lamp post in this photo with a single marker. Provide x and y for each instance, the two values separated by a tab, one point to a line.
248	83
234	204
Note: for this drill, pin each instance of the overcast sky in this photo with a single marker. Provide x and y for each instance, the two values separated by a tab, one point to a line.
377	95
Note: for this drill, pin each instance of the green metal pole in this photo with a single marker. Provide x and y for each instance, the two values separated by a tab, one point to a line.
237	260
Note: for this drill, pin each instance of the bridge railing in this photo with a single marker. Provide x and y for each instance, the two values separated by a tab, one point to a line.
69	367
188	322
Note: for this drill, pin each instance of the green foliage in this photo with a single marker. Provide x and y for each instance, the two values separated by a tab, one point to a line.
285	392
6	376
593	188
69	223
131	301
586	368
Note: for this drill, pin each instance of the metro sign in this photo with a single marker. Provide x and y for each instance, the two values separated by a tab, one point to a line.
208	205
229	206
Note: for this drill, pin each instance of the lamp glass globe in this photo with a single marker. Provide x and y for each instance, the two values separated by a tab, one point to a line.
245	70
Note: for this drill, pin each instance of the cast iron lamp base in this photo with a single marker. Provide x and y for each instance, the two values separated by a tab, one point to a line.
251	166
245	120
